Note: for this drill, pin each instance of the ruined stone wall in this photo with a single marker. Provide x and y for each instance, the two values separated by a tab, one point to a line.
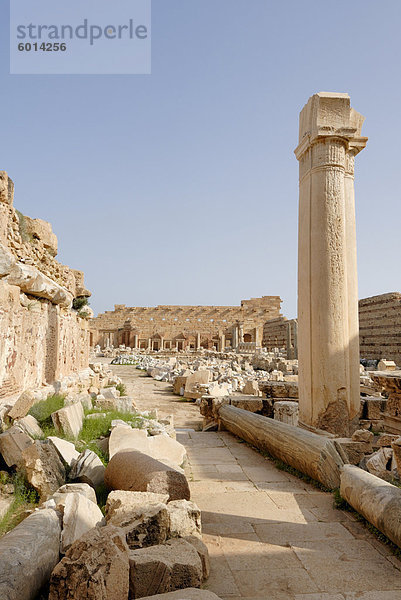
380	327
42	339
206	324
32	242
278	332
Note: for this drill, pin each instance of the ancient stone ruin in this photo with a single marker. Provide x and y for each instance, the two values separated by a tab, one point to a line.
41	338
195	452
186	327
329	139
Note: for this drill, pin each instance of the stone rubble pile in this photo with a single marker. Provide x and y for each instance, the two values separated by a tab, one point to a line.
150	527
85	385
207	376
216	374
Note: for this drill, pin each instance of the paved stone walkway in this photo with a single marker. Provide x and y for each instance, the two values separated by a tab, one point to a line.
269	534
272	536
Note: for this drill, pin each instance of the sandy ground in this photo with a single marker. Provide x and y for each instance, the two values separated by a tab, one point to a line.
151	394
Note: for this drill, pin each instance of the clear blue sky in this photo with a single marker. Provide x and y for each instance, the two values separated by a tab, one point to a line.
181	187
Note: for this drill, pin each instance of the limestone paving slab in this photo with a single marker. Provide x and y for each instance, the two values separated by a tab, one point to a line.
221	579
248	553
375	595
259	583
290	533
319	596
225	529
361	576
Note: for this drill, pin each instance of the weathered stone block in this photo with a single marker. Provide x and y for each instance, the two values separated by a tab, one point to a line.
33	282
144	524
43	467
396	447
110	393
30	426
278	389
354	451
159	569
185	594
249	403
42	230
121	503
66	450
79	516
159	447
22	406
12	444
386	365
209	406
69	419
386	440
373	408
286	412
251	388
163	447
185	518
78	488
179	385
362	435
96	567
134	471
88	468
394	405
199	377
202	551
123	437
379	463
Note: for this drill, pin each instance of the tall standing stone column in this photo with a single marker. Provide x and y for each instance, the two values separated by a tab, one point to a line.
328	343
235	336
289	341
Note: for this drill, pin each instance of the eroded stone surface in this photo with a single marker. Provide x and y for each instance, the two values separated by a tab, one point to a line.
142	516
186	594
96	567
66	450
69	419
13	442
43	467
30	426
78	488
22	406
79	516
164	568
28	554
185	518
88	468
120	503
134	471
202	551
